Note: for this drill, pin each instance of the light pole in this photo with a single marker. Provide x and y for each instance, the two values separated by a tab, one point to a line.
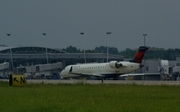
144	45
46	51
108	33
144	38
11	54
82	33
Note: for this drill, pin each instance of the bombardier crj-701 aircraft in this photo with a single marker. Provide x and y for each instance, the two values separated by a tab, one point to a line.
111	69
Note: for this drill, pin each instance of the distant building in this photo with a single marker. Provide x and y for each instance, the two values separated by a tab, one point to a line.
31	55
168	70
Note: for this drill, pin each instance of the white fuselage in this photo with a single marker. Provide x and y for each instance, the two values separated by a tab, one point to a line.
95	69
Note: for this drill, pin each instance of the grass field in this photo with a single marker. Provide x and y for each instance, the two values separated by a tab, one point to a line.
89	98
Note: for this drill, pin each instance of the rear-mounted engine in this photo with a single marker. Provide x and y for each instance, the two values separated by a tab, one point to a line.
115	64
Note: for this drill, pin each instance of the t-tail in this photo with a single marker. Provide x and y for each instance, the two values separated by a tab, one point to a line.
140	54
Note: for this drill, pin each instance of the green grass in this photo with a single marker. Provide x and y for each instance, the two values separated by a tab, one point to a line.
89	98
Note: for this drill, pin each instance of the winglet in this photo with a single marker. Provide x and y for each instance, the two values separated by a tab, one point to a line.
140	54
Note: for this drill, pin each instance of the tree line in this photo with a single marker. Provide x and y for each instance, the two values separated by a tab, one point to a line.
152	53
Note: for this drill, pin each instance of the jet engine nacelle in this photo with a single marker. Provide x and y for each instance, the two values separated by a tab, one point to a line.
114	64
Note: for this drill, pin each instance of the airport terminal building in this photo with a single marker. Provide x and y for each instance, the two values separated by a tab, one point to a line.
26	56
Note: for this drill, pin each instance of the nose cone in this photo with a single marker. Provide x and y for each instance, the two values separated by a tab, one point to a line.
62	74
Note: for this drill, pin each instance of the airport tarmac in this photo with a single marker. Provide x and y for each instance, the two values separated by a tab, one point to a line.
100	82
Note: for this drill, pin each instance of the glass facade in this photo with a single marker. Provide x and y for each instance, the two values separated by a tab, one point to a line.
27	56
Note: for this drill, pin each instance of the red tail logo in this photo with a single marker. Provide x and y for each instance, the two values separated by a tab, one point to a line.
140	54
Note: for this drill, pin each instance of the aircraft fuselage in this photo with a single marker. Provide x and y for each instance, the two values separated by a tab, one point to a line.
96	69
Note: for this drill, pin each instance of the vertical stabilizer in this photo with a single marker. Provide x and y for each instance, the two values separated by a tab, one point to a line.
140	54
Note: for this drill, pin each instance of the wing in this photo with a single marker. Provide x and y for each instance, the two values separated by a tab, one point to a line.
138	74
87	74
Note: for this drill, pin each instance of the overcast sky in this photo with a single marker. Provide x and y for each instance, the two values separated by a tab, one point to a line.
63	20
